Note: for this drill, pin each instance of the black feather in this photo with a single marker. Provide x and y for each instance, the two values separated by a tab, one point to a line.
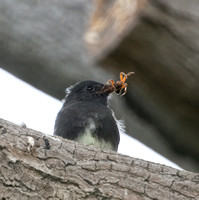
85	104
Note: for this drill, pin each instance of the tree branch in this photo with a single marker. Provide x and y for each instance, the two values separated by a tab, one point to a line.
37	166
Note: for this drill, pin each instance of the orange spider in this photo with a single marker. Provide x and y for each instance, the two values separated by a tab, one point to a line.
117	87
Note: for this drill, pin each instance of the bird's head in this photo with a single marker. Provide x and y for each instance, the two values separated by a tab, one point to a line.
87	91
95	91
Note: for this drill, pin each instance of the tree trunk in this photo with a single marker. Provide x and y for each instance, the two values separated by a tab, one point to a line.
38	166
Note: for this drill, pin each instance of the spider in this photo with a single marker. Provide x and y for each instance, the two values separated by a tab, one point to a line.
118	87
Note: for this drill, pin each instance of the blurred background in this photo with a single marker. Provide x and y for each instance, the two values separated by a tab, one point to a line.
52	45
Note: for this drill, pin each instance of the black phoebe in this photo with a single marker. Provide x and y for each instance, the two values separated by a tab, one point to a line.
85	116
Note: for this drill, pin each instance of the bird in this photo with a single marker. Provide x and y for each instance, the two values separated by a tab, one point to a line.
85	116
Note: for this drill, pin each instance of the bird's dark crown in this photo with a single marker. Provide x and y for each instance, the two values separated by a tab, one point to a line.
86	91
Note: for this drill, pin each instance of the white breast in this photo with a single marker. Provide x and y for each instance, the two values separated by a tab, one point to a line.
88	138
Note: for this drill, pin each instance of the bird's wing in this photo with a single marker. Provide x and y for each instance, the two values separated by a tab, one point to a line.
70	122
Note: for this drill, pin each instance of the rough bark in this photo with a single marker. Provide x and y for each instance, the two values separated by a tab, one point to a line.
38	166
42	42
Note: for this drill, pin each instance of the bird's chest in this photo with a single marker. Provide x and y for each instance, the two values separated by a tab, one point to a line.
89	136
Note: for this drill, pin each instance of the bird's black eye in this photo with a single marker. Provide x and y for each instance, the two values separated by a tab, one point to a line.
89	88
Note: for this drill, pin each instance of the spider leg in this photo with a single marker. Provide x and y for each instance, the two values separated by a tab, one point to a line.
124	85
111	82
123	77
121	88
125	90
130	73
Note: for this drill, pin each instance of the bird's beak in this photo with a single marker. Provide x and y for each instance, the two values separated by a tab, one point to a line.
107	89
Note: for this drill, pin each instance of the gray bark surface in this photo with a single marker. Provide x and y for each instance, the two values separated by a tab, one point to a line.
53	44
30	168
